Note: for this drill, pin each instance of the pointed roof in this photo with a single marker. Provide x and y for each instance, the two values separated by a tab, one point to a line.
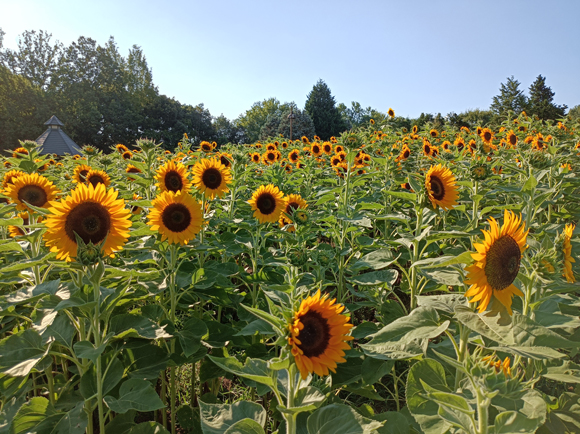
55	141
54	121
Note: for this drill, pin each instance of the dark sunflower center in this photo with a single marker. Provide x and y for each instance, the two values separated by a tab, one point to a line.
271	156
266	203
293	157
33	194
487	136
90	220
315	336
176	217
502	262
212	178
513	139
427	149
316	149
327	149
225	161
83	175
133	170
173	181
291	207
437	188
96	179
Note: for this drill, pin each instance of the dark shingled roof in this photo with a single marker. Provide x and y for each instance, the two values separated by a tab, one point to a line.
55	141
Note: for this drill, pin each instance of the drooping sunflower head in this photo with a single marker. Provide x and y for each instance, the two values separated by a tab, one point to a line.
94	214
172	176
9	178
19	152
211	177
267	202
32	188
121	149
441	187
319	335
80	173
95	177
177	216
497	262
567	250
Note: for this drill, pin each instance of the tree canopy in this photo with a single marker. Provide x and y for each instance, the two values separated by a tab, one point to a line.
320	105
511	98
540	102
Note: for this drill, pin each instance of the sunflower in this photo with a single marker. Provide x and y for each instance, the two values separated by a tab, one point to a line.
487	136
132	169
256	157
293	202
95	214
205	146
497	262
135	209
172	176
95	177
512	139
294	155
271	147
316	149
338	149
288	168
335	160
427	148
177	217
32	188
16	231
121	149
284	145
270	157
567	248
434	133
18	152
405	153
415	129
327	148
127	155
7	164
226	159
210	177
498	365
305	139
268	203
460	143
10	176
80	173
441	188
319	335
391	112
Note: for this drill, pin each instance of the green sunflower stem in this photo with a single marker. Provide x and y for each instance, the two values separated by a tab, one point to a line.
482	412
96	275
291	418
173	254
415	254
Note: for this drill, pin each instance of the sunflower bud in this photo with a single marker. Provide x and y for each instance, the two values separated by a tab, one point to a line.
480	172
88	253
301	216
29	145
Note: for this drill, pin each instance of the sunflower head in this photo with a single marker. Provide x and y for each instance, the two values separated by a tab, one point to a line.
391	112
318	335
211	177
226	159
127	155
479	172
95	177
9	177
441	187
121	148
33	189
567	251
80	173
177	216
19	152
497	262
172	176
267	202
92	214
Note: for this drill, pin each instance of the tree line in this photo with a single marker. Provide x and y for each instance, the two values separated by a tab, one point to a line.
105	98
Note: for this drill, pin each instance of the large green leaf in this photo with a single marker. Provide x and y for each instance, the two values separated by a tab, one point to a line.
405	336
568	372
254	369
190	336
376	260
126	325
20	352
340	418
148	428
134	394
245	426
395	423
218	418
376	278
426	411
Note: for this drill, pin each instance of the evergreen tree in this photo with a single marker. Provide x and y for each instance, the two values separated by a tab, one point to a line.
540	101
320	105
511	98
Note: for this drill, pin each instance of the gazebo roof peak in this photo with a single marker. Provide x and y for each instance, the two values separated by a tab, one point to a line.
54	121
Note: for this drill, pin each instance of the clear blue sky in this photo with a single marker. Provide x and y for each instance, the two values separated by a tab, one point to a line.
414	56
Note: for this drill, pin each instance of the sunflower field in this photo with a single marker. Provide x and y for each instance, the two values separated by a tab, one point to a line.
384	281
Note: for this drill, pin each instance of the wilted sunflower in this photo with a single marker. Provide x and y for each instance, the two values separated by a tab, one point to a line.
294	155
10	176
94	214
32	188
441	187
268	203
497	262
319	335
95	177
211	177
391	112
172	176
18	152
177	217
568	259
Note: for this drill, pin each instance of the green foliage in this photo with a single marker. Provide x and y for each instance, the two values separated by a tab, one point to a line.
540	102
320	105
255	118
511	99
278	125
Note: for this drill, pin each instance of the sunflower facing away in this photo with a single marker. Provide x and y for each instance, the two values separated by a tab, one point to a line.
32	188
441	187
172	176
568	259
319	335
267	203
94	214
211	177
177	217
497	262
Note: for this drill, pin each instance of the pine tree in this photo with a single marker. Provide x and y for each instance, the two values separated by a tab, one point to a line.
540	101
320	105
511	98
